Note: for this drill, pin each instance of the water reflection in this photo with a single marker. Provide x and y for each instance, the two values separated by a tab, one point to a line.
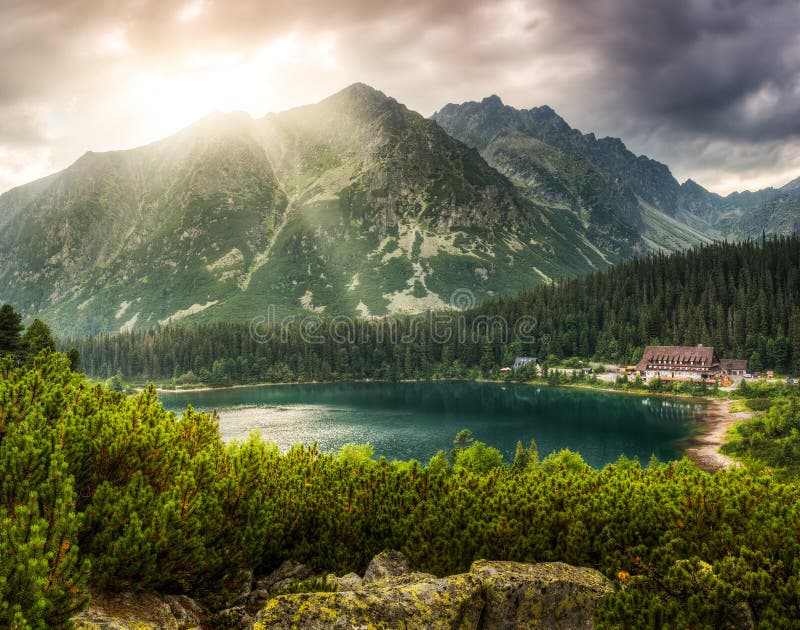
414	420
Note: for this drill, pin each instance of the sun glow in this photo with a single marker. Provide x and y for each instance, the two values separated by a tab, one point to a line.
191	11
203	82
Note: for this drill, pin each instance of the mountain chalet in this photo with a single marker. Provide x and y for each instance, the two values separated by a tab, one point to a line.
687	363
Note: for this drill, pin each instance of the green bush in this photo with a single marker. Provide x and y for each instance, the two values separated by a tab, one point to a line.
42	577
115	489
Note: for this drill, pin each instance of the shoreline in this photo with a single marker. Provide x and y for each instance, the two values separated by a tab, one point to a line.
702	448
208	388
717	420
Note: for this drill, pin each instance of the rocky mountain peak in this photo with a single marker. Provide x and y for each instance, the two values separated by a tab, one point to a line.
792	186
492	101
358	93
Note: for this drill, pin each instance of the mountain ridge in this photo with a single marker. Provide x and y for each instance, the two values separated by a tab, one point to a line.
700	210
355	205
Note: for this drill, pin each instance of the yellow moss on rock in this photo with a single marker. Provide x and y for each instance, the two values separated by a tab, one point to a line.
493	595
414	600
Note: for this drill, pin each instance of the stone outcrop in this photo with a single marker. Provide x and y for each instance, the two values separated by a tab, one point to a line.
386	564
140	611
493	595
415	600
547	595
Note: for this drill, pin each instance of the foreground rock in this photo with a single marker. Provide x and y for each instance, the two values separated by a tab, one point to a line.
415	600
493	595
140	611
547	595
386	564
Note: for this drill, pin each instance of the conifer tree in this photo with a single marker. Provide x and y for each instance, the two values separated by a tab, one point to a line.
74	357
522	458
42	578
37	337
10	329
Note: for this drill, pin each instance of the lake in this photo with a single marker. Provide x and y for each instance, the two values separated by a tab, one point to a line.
415	420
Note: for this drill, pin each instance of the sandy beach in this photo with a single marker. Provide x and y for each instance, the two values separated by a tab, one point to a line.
704	447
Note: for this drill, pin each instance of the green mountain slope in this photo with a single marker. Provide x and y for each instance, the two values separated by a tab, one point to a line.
131	237
387	213
355	205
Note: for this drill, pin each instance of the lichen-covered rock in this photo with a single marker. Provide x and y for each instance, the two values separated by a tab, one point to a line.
414	600
347	582
138	611
546	595
387	563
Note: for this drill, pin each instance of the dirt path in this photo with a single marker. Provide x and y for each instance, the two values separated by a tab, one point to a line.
717	421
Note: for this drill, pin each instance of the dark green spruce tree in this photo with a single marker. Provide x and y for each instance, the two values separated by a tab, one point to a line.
10	329
37	337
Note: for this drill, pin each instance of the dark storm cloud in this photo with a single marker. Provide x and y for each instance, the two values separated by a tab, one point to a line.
710	87
726	66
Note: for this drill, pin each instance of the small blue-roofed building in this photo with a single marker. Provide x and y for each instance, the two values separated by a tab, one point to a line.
521	362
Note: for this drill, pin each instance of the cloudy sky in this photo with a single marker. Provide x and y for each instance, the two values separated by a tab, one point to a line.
710	87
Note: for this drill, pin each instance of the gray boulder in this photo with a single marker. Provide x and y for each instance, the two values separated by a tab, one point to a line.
414	600
387	563
139	611
547	595
492	596
283	576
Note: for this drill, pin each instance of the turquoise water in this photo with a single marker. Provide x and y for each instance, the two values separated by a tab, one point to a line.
414	420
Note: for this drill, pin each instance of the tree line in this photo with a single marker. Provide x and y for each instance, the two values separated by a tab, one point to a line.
742	298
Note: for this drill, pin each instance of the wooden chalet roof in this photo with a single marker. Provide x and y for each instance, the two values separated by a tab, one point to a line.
733	364
698	358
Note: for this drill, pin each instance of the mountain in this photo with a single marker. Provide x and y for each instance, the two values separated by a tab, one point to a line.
792	186
121	237
352	206
627	203
749	214
355	205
